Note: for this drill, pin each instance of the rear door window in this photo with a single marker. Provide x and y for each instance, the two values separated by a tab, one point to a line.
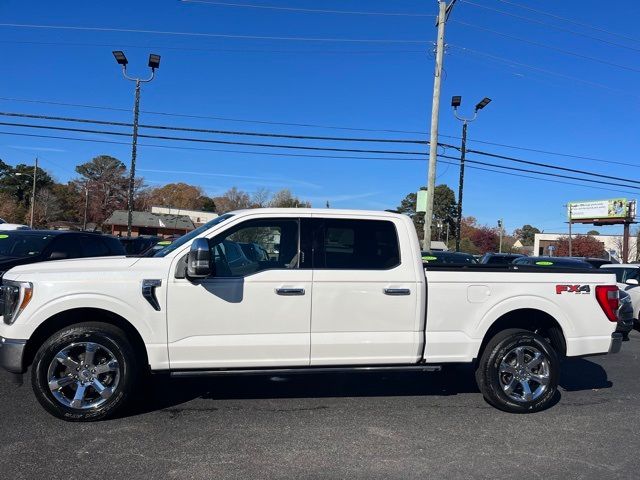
355	244
94	247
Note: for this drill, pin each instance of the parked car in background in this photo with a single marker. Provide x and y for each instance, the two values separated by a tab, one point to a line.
628	279
594	261
553	262
138	245
499	258
448	257
153	249
626	317
22	247
13	226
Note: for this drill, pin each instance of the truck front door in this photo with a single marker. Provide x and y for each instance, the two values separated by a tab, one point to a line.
254	311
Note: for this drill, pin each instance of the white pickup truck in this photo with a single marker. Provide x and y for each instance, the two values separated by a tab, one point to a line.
284	290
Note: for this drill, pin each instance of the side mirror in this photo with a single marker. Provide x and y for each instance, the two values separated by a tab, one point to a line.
57	256
632	281
199	259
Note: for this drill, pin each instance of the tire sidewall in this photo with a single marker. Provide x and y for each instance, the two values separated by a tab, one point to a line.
114	340
494	391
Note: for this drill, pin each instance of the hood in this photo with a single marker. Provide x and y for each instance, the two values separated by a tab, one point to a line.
85	265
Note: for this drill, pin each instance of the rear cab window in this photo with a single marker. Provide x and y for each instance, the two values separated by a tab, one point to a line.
355	244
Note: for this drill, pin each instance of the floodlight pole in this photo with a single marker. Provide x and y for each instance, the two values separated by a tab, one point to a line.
463	153
134	141
570	240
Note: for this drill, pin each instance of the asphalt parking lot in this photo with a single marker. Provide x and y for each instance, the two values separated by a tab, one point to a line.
339	426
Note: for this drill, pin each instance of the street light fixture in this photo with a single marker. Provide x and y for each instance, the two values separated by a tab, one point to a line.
456	101
154	63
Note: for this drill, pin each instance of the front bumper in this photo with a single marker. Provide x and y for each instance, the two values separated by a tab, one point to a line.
616	342
11	354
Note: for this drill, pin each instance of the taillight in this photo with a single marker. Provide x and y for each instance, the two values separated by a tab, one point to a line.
609	300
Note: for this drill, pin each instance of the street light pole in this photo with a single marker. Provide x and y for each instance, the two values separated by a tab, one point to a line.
154	63
455	103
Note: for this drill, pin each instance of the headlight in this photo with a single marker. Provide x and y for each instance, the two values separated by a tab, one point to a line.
15	298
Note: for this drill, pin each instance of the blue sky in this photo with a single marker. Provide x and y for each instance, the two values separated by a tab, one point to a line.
376	85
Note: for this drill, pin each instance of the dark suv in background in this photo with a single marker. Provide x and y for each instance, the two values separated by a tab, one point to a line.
499	258
20	247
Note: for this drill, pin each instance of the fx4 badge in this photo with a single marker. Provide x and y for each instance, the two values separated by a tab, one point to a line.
573	289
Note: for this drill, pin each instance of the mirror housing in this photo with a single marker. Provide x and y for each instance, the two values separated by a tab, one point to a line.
632	281
199	264
56	255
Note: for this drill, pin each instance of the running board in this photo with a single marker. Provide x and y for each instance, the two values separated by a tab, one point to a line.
306	370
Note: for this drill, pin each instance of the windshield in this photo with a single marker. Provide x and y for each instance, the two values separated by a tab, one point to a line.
192	234
21	246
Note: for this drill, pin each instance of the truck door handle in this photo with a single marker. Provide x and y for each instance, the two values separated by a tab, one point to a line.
287	292
397	291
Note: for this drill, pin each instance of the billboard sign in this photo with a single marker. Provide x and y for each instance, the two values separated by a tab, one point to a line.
599	209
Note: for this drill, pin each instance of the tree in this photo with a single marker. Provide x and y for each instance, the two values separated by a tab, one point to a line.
107	184
485	239
581	246
47	208
178	195
593	232
444	209
285	199
526	234
18	181
232	199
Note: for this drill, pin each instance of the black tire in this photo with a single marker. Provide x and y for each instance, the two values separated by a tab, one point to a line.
497	386
113	353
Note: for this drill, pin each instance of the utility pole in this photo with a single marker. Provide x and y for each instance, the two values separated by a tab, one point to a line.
500	229
33	192
154	63
443	13
456	101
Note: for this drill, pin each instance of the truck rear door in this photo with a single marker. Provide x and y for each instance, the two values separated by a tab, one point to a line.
365	298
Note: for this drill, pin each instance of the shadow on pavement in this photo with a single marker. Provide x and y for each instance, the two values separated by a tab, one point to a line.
163	392
582	374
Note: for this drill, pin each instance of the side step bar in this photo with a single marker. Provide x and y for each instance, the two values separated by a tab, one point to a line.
307	370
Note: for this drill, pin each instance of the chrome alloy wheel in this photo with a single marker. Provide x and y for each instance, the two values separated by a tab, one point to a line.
83	375
524	374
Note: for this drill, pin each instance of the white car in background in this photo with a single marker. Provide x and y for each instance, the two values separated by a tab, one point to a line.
12	226
628	279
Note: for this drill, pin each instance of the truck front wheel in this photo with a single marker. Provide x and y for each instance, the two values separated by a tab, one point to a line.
518	372
84	372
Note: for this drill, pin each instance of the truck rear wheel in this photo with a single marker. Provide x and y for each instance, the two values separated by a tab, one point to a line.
518	372
84	372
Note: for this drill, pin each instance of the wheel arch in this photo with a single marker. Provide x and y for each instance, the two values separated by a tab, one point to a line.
533	320
74	316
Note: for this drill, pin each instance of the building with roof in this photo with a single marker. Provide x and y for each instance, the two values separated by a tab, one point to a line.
611	244
148	223
198	217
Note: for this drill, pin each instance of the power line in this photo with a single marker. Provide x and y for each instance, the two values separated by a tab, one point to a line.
550	25
215	50
312	125
298	155
209	117
546	165
212	35
548	47
569	20
286	146
219	132
203	140
543	70
308	10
